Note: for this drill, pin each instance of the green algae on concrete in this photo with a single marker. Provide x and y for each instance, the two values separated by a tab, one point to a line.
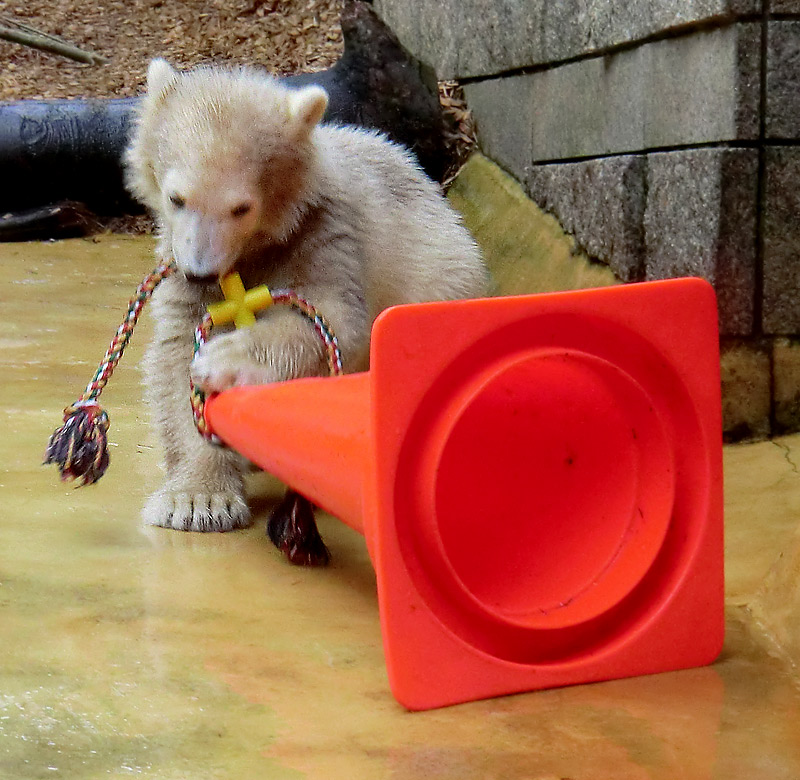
526	249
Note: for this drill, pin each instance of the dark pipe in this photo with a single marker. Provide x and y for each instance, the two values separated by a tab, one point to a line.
54	150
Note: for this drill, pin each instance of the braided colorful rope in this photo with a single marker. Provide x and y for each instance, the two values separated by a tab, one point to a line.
333	355
80	446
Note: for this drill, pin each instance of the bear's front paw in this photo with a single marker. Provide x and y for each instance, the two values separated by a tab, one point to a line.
226	361
222	510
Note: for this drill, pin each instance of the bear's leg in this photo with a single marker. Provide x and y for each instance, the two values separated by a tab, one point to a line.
292	529
201	493
203	489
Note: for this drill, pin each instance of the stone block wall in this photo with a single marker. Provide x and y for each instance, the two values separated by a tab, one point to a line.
664	135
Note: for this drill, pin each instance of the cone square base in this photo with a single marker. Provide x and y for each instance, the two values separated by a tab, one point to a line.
543	500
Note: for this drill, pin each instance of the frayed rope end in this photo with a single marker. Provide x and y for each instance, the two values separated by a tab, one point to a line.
80	446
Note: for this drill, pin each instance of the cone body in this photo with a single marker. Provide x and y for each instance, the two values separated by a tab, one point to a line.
313	434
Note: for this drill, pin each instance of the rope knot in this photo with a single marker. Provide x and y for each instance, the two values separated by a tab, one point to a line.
91	409
80	446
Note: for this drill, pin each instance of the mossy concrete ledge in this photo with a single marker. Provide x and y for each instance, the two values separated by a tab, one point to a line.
525	248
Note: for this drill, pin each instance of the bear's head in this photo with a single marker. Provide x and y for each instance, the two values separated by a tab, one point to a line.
223	158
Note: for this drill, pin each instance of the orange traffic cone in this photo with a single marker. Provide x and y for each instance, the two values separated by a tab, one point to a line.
538	479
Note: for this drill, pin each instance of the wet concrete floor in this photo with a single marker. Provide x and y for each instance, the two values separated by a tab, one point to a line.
132	651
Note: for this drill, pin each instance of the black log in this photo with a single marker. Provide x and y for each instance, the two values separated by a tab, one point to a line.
57	150
70	150
378	84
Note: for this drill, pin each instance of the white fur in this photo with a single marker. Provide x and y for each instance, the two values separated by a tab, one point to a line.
239	173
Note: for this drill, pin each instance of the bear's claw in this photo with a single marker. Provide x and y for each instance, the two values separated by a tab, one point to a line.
221	511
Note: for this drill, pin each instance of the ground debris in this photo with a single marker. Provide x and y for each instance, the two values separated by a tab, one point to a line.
284	36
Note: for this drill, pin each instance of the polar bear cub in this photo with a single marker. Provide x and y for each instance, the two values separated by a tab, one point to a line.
240	174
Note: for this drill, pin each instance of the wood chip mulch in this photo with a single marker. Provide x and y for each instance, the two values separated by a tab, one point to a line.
284	36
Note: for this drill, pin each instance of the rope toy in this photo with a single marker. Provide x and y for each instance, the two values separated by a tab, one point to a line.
239	307
79	447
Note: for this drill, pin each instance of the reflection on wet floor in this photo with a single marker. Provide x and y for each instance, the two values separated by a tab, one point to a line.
132	651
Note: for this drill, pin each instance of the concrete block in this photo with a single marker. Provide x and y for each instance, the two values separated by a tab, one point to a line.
662	215
785	7
526	249
475	38
702	88
601	203
781	238
783	80
745	374
700	220
470	37
500	35
588	108
504	112
578	28
786	385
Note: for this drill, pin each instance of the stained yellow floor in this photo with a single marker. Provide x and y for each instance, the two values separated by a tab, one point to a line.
127	651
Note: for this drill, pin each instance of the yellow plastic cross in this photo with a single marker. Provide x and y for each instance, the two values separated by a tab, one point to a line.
240	305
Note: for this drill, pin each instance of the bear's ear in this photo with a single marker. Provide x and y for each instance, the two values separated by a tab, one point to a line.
160	76
306	107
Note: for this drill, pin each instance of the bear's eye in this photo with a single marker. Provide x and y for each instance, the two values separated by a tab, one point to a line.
177	201
241	210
